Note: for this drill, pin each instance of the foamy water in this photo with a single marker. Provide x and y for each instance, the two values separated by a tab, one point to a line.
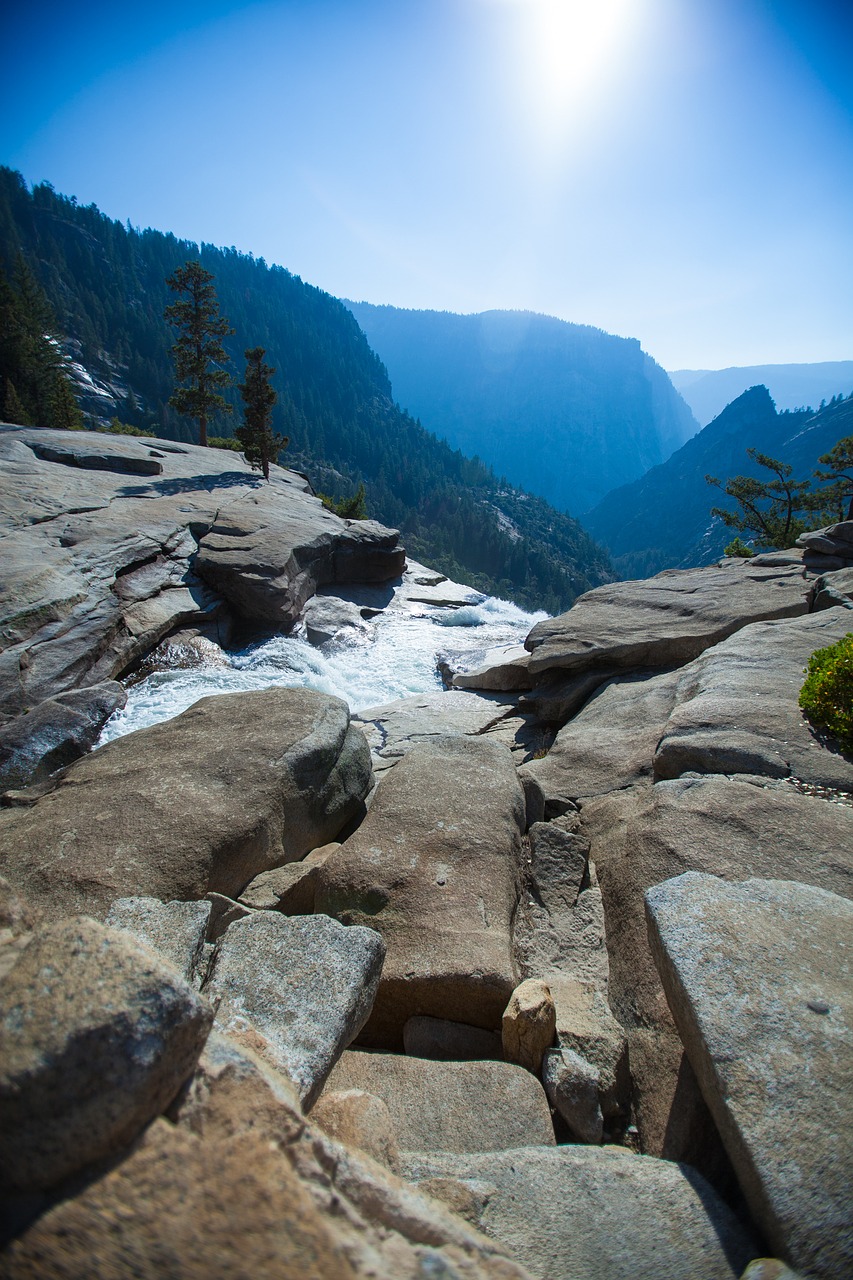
394	657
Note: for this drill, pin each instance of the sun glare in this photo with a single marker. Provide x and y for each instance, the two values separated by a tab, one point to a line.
567	55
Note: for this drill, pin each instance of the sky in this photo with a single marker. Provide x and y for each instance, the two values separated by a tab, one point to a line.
678	171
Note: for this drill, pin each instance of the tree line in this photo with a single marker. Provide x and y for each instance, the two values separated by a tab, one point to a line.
106	283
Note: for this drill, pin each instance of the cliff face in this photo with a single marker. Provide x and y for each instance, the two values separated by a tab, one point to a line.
566	411
600	894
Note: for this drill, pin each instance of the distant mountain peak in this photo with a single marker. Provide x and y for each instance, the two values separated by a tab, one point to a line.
792	386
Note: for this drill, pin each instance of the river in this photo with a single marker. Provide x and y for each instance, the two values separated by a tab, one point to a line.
393	655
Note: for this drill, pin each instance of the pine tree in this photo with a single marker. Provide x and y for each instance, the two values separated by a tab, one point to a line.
198	350
64	409
837	495
13	410
34	379
768	509
261	445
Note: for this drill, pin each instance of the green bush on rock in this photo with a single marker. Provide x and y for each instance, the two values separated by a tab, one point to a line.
739	549
827	693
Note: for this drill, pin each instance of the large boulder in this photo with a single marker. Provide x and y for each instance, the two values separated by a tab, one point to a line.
241	1204
724	827
326	618
736	708
298	989
236	785
570	1212
435	868
666	620
244	1185
97	1035
719	826
759	977
451	1106
267	558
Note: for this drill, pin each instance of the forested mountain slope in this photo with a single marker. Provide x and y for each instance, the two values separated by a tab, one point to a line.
664	521
566	410
106	283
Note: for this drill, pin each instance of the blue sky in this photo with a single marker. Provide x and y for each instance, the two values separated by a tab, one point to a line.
680	171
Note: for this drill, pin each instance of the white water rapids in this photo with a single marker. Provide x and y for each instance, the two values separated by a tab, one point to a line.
394	656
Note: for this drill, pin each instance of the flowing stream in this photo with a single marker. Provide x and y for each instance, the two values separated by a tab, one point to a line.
392	656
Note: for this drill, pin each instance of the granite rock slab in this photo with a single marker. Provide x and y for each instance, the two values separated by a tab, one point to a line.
667	620
304	985
759	976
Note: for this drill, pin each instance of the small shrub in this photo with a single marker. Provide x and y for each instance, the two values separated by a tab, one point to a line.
738	548
354	508
117	428
225	442
827	693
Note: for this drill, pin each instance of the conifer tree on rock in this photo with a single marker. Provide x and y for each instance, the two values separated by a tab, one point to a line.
261	445
769	510
198	352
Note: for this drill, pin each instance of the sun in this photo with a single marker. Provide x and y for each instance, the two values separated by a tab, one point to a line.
566	57
571	42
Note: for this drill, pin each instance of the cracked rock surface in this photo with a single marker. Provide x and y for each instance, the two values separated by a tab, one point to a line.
107	544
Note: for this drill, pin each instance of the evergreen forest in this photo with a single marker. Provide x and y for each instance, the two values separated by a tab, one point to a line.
104	284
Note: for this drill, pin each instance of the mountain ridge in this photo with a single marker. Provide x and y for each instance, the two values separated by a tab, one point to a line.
107	284
792	386
663	520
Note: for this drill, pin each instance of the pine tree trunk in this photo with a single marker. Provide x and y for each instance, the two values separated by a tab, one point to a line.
202	431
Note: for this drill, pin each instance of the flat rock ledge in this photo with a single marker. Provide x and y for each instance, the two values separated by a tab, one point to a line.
666	620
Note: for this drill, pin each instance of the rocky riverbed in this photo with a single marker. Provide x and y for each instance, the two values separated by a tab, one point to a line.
547	974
